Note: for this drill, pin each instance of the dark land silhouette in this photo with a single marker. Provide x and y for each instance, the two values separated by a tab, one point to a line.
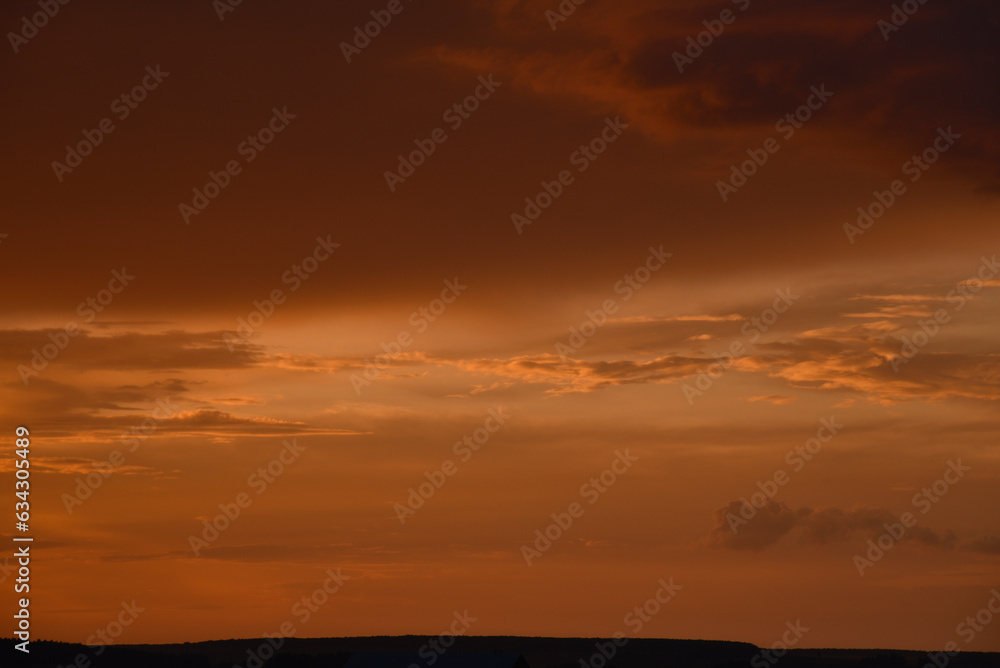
482	652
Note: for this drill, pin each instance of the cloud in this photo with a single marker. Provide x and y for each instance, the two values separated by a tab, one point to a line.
986	544
75	466
860	352
775	399
865	365
210	422
830	525
772	522
898	298
818	528
395	553
896	311
131	351
379	362
480	389
572	375
96	414
679	318
565	375
929	73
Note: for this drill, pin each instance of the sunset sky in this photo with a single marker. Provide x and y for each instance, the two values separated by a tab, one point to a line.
670	305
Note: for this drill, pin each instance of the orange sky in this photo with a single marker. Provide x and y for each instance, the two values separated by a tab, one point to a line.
706	343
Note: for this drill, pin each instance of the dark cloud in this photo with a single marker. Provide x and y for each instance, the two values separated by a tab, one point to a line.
325	175
887	93
129	351
772	522
986	544
81	412
813	527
